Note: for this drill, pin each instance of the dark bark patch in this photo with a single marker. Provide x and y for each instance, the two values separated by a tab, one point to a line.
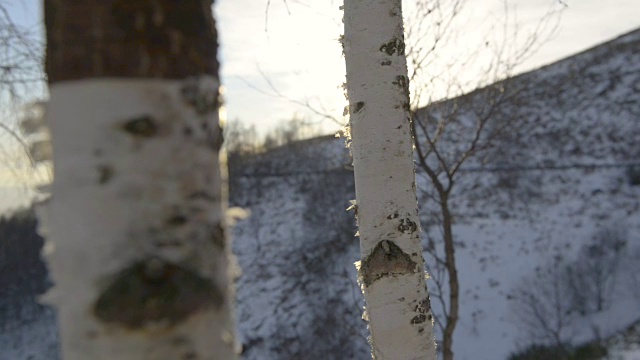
202	195
385	63
105	173
190	356
423	307
154	291
393	47
142	126
177	220
386	259
407	226
403	83
419	319
202	99
168	243
216	138
218	236
357	107
179	341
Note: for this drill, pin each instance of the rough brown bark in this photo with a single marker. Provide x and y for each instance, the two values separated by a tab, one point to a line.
167	39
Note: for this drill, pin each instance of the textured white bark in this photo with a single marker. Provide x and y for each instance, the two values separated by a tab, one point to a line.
140	260
392	268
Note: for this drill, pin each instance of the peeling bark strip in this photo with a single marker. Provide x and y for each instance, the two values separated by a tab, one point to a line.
392	281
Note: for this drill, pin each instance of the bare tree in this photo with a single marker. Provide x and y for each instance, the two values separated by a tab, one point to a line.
240	138
541	305
593	276
20	59
453	133
21	81
289	131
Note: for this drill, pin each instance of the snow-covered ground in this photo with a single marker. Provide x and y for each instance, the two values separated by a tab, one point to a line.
30	335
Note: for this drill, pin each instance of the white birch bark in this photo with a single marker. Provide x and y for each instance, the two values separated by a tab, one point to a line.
139	260
391	271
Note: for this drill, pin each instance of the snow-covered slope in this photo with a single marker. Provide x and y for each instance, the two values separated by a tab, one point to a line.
538	195
534	199
27	329
298	297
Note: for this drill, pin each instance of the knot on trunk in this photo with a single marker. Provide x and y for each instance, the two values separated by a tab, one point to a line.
386	259
154	291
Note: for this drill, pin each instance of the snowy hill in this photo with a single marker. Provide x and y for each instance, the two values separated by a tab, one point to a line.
563	183
297	297
535	200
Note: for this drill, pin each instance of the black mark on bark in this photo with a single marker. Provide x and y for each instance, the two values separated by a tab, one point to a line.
357	107
105	173
142	126
407	226
423	306
216	138
177	220
385	62
203	100
393	47
218	236
402	83
419	319
202	195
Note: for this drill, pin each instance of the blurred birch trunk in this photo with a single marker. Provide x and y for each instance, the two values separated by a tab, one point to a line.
140	258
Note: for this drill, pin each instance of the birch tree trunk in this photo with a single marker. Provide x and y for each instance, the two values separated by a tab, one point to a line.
141	262
391	271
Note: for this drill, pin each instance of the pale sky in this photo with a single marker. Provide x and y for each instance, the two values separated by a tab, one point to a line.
294	49
299	52
295	45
